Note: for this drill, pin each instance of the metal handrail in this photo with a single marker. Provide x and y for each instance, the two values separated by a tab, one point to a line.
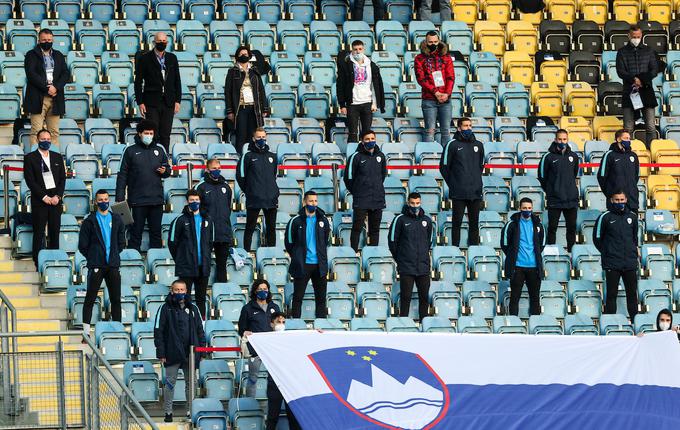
8	324
7	303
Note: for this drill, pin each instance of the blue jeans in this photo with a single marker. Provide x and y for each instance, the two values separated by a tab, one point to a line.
434	111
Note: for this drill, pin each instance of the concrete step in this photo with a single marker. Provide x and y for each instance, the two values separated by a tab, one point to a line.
71	343
6	242
39	325
7	265
25	302
20	290
44	313
20	278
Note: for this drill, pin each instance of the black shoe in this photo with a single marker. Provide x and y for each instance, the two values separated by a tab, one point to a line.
168	418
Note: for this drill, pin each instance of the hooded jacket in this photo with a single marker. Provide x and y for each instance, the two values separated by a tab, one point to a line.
410	237
36	81
510	243
91	241
620	170
256	176
658	317
615	235
296	242
641	63
364	177
138	174
461	166
172	325
254	319
182	244
345	83
557	174
425	63
216	199
232	92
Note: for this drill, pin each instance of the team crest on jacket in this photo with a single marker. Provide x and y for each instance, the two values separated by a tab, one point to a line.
476	148
390	388
632	159
630	221
571	158
271	160
155	152
378	158
424	223
224	190
321	224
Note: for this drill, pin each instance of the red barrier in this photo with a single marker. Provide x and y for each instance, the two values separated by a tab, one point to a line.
217	349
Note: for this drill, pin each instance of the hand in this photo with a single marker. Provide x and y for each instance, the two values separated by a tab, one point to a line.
176	108
675	328
55	200
47	200
51	90
343	111
373	108
247	333
230	116
444	98
142	110
265	114
637	82
162	360
161	170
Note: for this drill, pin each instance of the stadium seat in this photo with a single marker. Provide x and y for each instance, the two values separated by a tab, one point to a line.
113	340
329	324
400	324
592	195
579	129
556	262
143	341
365	324
83	161
580	99
615	324
547	99
243	413
314	101
272	264
486	67
222	333
585	259
524	186
518	67
579	324
75	300
446	300
217	379
141	379
544	324
522	36
436	325
555	34
473	324
490	37
344	265
658	261
654	295
151	298
480	297
10	103
508	324
209	413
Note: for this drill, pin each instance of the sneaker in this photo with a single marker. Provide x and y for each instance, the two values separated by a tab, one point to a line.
168	418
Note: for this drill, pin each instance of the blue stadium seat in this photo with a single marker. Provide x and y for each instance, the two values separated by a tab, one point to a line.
378	265
585	259
398	154
445	299
308	305
645	323
10	103
117	68
295	324
365	324
243	276
83	161
69	133
553	299
359	30
228	299
216	378
481	99
484	263
113	340
193	36
143	341
224	34
526	186
508	324
450	264
109	101
514	99
211	102
490	226
100	10
340	301
62	36
670	125
268	11
660	223
76	195
430	191
329	324
314	101
344	265
480	298
209	413
429	153
236	10
486	67
579	324
585	298
615	325
300	10
326	154
151	298
458	36
68	234
473	324
12	68
654	295
204	132
202	11
320	68
152	26
544	324
159	263
245	413
293	36
75	299
410	99
556	263
436	325
12	156
496	194
282	100
500	153
33	10
286	68
293	154
334	11
392	39
132	268
175	190
400	324
585	221
325	37
658	261
399	10
188	153
100	132
21	35
272	264
595	150
90	35
591	193
509	129
216	65
222	333
504	299
167	10
124	36
111	156
142	380
259	36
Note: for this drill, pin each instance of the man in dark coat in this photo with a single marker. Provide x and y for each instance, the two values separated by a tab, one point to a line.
46	76
620	170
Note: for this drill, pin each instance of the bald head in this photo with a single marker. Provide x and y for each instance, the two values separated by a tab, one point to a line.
160	37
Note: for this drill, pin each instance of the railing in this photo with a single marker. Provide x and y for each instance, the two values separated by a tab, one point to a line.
108	404
8	324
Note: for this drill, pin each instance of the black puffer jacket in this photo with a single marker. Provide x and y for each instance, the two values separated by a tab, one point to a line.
138	174
232	92
91	241
296	242
364	177
620	171
216	199
557	174
461	166
256	175
182	244
345	83
641	63
510	243
616	237
254	319
176	329
410	238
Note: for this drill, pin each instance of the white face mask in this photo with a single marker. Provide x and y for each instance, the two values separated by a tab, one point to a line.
279	327
635	42
664	325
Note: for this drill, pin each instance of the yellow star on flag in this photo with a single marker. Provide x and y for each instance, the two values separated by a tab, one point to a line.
350	353
372	352
366	358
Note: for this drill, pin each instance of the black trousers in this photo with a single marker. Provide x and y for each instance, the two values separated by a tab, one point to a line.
533	281
251	222
630	282
569	220
473	208
94	281
200	285
422	283
221	254
162	115
246	123
356	113
318	283
274	399
358	12
374	219
141	215
43	216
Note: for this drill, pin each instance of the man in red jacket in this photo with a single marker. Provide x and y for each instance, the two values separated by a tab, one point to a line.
434	72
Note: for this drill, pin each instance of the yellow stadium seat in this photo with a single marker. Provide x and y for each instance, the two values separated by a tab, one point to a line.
579	130
664	191
627	10
666	151
580	99
497	10
658	10
594	10
465	10
546	99
490	37
643	156
606	126
554	72
562	10
518	67
523	36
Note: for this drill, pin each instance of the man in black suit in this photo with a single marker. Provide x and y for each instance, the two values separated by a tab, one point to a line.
45	175
158	88
46	76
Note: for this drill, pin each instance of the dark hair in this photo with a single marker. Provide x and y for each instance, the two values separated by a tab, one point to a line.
45	31
211	161
366	133
663	312
309	193
259	129
618	192
43	130
357	42
431	33
413	195
460	121
275	315
177	281
253	289
242	48
635	27
561	131
620	132
526	200
192	192
100	192
145	125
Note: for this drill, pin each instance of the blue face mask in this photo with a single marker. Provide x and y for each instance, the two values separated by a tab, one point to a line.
44	144
625	144
178	297
561	146
311	208
194	206
526	214
261	143
370	144
215	173
619	206
147	139
415	209
262	295
466	134
103	206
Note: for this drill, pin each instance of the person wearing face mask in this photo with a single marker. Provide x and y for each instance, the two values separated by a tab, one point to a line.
306	238
190	241
620	170
637	66
364	176
360	89
101	240
461	166
615	235
256	176
216	199
435	75
557	174
46	76
158	87
45	175
246	102
410	237
522	242
177	327
256	318
664	322
142	169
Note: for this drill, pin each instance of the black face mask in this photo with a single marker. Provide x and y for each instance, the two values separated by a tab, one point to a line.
243	59
46	46
433	46
161	46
